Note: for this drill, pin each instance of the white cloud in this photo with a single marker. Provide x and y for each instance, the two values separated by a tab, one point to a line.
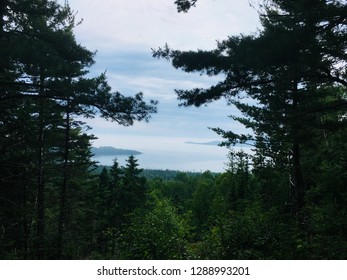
113	25
124	31
153	87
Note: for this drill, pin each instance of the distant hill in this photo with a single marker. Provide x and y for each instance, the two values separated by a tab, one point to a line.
157	173
111	151
212	143
216	143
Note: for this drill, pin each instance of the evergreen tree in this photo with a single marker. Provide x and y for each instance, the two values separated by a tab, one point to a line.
286	69
43	83
293	76
132	192
116	173
201	203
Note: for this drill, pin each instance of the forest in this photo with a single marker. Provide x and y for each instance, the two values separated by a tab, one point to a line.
287	200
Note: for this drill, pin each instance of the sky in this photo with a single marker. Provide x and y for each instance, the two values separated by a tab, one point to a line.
124	33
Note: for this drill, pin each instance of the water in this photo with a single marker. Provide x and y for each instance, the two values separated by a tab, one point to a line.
195	158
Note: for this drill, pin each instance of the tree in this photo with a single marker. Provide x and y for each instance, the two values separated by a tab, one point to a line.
286	70
43	72
185	5
156	233
289	82
131	194
116	177
201	203
108	211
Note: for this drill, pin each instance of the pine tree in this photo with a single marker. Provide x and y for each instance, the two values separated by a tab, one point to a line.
132	192
286	69
43	73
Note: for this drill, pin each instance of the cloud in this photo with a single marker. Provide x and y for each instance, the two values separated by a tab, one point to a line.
124	32
131	72
113	25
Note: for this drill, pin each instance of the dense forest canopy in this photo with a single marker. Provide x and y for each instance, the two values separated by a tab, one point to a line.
44	150
295	71
285	201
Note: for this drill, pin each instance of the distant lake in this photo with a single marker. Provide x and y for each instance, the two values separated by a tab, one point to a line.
188	157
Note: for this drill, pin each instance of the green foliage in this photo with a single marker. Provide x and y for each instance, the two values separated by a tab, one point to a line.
287	201
45	153
289	82
201	206
290	72
131	194
184	5
156	233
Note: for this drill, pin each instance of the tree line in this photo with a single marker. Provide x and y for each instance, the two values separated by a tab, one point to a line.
285	201
246	212
289	82
45	151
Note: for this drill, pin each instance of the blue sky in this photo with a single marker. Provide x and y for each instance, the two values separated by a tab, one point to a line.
123	33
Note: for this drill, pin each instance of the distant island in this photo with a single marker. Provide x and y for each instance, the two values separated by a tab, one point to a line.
211	143
111	151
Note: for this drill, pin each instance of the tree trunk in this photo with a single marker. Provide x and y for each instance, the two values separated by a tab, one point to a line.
299	185
299	190
63	195
40	192
40	179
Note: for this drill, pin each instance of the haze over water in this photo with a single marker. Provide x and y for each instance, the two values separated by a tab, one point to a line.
181	156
